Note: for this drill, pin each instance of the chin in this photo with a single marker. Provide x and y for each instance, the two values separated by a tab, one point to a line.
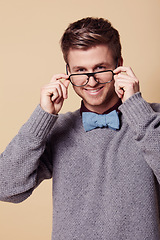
95	103
101	104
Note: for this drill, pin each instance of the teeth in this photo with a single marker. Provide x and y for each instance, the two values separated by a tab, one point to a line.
95	90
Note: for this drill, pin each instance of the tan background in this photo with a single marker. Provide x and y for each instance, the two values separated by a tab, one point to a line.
30	54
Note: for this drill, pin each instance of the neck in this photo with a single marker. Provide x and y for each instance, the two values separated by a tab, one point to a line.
100	109
108	107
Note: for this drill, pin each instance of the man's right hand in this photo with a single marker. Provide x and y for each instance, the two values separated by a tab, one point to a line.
53	94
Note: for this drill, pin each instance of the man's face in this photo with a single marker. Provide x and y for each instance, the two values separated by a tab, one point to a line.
96	97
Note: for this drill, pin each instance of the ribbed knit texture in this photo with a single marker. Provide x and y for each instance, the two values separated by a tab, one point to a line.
105	182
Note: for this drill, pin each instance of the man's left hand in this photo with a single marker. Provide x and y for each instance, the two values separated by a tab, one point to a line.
126	83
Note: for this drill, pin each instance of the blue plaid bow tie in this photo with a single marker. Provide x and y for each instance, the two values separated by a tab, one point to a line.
93	120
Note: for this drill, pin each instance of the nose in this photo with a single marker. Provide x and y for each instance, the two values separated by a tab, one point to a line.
92	82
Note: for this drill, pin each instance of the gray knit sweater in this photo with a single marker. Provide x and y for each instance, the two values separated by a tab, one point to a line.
105	182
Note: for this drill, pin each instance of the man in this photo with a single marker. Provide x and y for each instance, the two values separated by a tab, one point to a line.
106	173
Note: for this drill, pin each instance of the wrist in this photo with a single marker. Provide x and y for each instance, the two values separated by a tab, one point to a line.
40	123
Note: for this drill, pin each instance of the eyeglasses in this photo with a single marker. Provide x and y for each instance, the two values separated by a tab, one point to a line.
101	77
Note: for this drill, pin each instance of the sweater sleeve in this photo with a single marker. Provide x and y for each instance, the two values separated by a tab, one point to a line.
26	160
144	120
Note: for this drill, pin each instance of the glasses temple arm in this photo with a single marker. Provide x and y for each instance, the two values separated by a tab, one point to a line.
67	68
116	63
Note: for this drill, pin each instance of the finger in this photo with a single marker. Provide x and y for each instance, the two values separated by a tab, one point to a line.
127	83
125	78
55	96
119	86
59	87
66	84
119	92
64	88
58	77
126	70
53	91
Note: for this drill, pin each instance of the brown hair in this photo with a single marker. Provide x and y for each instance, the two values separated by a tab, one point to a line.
88	32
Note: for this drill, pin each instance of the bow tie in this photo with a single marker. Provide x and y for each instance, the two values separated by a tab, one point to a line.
93	120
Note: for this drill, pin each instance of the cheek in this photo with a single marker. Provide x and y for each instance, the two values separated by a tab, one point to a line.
110	86
77	90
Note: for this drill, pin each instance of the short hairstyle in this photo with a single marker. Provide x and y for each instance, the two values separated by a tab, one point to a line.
89	32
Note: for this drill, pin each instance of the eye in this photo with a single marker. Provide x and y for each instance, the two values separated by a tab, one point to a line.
100	68
81	70
78	69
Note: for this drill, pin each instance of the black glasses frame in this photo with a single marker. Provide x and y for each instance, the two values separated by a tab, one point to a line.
90	75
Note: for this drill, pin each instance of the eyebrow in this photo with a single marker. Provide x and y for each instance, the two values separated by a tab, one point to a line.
98	64
78	67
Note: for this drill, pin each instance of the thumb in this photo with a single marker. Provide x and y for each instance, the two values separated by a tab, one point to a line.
66	83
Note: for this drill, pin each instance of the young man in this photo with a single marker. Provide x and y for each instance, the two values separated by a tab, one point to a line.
104	157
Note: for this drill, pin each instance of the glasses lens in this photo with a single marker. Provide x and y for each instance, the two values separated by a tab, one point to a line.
79	80
104	77
100	77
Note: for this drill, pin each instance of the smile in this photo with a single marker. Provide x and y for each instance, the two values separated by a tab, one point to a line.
93	91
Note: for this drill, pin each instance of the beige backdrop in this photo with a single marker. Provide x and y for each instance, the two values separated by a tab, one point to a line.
30	54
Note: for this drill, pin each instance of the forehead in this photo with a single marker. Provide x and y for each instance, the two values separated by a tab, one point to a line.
90	57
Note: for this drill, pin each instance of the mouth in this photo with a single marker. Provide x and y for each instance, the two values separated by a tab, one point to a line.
93	91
